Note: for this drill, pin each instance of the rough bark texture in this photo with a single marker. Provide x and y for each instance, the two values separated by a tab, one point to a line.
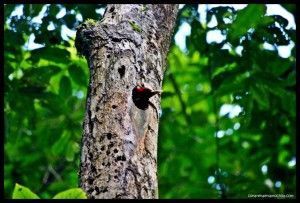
119	145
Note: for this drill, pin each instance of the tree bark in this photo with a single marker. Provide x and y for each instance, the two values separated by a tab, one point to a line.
119	145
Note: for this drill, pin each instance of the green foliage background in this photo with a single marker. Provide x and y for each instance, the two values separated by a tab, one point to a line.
45	92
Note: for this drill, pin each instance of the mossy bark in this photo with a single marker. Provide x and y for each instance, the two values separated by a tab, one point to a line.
119	145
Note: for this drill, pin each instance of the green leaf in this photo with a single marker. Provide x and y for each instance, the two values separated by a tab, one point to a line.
8	9
88	10
277	65
54	9
229	82
21	192
261	96
288	102
283	157
78	75
39	76
198	34
166	94
290	8
247	18
53	102
72	148
75	193
54	54
291	79
285	139
32	9
65	88
60	145
49	38
70	20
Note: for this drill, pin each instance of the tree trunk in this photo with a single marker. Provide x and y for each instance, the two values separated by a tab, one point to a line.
119	145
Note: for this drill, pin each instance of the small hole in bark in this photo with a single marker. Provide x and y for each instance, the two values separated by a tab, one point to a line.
121	71
90	190
97	190
157	36
121	158
107	152
108	164
109	135
116	40
115	150
110	145
140	63
136	68
149	71
90	180
93	169
114	106
108	56
103	164
97	108
127	86
155	52
112	9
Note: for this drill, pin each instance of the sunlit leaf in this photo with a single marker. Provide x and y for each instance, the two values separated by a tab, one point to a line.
21	192
75	193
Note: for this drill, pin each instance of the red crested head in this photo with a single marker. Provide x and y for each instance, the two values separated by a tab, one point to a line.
140	89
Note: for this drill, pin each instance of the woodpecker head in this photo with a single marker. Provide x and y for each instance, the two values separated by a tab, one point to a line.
141	95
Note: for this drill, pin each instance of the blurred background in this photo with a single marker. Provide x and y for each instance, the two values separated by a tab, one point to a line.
227	126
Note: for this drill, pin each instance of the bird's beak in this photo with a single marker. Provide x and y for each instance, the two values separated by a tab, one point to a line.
156	92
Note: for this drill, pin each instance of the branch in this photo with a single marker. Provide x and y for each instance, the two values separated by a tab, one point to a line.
182	103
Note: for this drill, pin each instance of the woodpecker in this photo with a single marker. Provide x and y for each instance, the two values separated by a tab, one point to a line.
141	96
